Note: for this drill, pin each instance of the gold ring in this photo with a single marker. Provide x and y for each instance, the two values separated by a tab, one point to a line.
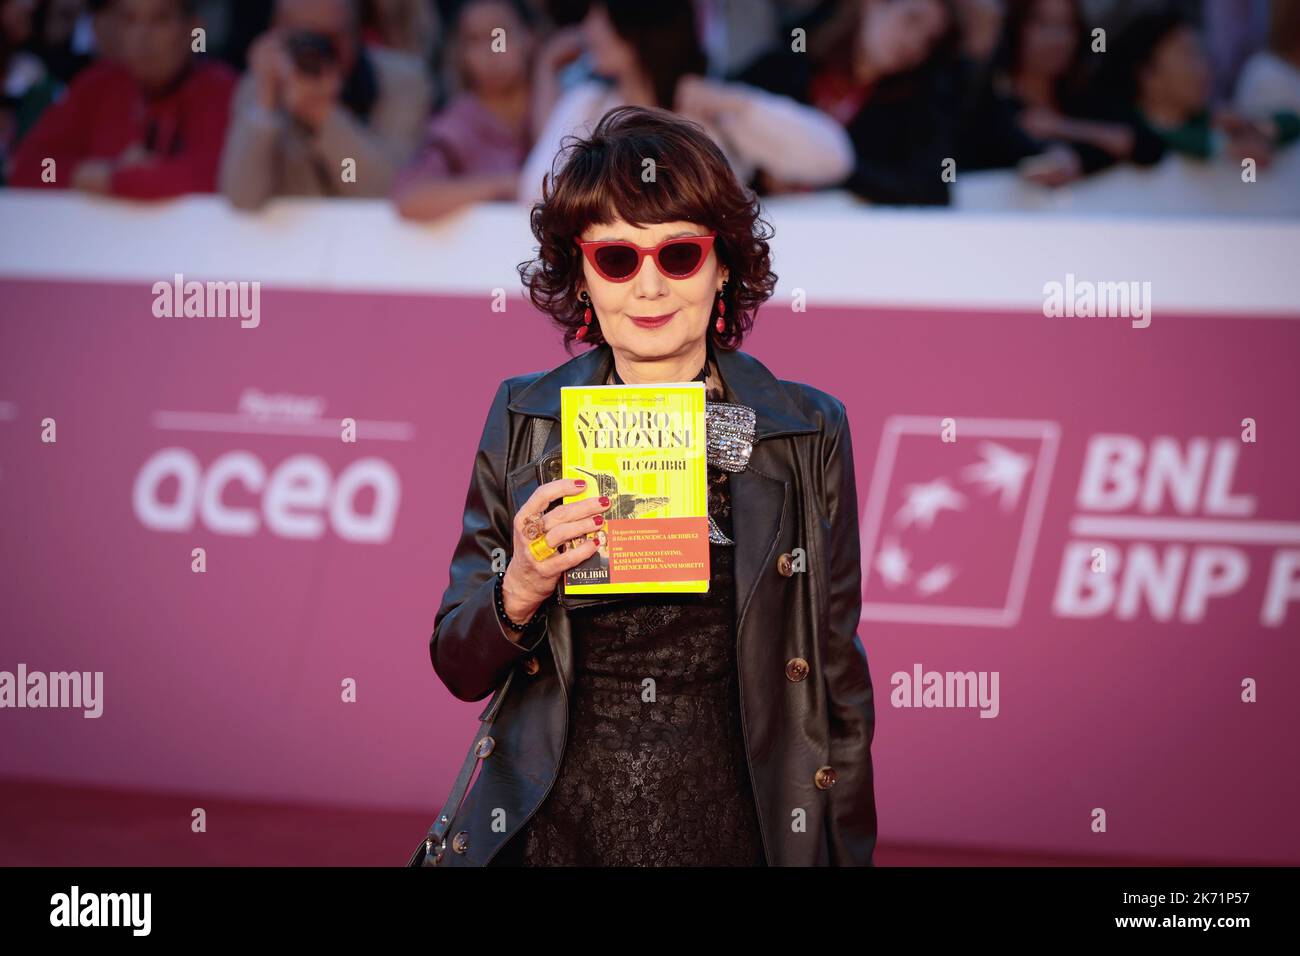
541	550
533	525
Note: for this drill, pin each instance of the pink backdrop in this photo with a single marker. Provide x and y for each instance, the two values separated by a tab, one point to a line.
229	681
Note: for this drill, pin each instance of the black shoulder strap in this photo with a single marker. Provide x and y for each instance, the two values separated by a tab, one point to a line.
438	832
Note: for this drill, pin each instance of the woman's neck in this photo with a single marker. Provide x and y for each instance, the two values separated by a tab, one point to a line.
670	368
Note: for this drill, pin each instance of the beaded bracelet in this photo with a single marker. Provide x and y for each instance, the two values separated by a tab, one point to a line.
501	607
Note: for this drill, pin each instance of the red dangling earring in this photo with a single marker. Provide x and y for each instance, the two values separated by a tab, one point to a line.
586	319
721	324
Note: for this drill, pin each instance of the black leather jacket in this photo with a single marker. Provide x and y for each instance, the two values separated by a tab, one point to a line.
807	706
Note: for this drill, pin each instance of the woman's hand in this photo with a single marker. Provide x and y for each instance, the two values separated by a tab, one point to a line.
93	176
528	582
311	98
703	99
1046	124
268	64
1056	166
1042	122
1246	138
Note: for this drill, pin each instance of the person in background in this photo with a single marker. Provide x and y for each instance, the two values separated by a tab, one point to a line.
55	38
474	148
411	26
1170	77
26	86
1270	82
70	35
981	24
319	113
150	127
889	79
650	55
1038	108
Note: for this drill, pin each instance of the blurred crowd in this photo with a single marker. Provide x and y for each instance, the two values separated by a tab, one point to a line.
440	103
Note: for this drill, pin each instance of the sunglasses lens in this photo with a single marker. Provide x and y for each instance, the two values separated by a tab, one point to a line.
679	258
617	262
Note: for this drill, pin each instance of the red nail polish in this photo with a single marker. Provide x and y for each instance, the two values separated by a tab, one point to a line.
598	519
604	501
580	482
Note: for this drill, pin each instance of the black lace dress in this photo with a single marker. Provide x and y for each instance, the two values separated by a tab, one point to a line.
659	776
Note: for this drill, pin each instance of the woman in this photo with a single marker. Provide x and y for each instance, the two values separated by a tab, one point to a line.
474	147
650	55
889	77
408	25
754	747
1038	106
26	88
148	127
1168	72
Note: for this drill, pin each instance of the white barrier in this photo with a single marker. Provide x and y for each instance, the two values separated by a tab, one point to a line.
835	249
1175	187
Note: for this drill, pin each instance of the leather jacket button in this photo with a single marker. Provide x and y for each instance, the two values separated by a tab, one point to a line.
785	565
551	467
531	666
460	842
824	778
484	746
796	668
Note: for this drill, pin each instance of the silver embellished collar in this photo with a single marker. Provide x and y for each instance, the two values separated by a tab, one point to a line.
729	428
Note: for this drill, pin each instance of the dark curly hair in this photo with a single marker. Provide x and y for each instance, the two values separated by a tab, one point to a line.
600	179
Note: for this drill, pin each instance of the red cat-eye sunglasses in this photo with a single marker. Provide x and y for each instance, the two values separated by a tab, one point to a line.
618	260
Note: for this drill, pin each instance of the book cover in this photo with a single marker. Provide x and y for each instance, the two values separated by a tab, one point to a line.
644	447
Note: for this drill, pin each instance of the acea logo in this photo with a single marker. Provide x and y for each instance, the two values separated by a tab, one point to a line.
290	495
1158	529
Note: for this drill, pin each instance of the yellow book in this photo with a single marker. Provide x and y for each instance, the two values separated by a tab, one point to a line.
644	447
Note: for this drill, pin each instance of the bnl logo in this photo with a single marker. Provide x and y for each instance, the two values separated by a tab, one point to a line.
949	530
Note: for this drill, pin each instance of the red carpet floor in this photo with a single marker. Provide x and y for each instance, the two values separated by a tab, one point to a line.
46	824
